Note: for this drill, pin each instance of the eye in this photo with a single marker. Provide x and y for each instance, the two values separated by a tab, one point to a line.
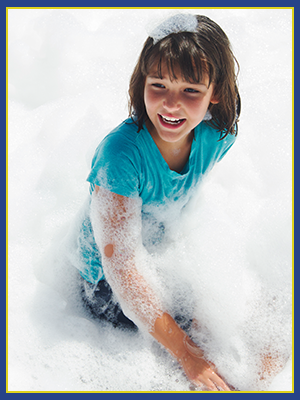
190	90
158	85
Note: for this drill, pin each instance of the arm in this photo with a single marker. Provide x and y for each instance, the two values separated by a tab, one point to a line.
117	227
187	353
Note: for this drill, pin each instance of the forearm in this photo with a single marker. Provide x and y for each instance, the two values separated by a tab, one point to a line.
137	298
140	299
170	335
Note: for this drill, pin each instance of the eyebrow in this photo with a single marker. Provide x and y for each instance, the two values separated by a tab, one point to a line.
155	77
163	77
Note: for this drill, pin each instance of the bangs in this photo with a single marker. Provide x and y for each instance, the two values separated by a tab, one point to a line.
179	52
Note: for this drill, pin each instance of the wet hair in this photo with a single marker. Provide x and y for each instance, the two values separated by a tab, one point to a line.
204	52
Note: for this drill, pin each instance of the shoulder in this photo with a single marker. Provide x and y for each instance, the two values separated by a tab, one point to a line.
212	141
116	162
125	133
212	134
121	141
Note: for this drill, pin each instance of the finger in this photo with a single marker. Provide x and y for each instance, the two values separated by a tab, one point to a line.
232	388
219	382
211	386
206	384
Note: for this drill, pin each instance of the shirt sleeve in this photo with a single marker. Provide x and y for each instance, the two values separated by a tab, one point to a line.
223	145
115	166
227	143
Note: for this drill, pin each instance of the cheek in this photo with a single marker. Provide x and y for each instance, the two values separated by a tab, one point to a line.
151	101
196	108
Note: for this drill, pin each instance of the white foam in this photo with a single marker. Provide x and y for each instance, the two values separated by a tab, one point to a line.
174	24
68	81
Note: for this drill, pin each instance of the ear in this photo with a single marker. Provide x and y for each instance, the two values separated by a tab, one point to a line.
214	100
214	97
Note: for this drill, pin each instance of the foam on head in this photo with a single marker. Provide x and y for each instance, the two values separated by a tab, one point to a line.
175	24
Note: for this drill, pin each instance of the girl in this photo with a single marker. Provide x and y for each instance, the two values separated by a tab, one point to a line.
184	107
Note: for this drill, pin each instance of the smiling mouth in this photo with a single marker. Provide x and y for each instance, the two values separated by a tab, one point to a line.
171	121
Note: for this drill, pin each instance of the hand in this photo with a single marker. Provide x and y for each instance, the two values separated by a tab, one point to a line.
198	371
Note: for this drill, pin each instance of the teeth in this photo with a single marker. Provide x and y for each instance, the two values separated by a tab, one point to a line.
171	120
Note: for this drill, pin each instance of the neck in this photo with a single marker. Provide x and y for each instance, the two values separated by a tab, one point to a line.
176	154
179	145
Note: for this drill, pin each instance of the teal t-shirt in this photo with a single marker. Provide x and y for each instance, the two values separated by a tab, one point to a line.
130	164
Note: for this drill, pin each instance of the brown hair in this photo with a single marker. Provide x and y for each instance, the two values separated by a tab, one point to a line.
207	51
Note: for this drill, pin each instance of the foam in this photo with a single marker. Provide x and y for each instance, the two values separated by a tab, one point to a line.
175	24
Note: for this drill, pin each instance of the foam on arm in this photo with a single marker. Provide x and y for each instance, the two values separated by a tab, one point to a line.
116	221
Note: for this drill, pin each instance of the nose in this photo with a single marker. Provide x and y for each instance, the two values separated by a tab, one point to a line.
171	101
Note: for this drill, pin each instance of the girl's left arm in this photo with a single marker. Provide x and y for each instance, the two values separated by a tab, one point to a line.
116	222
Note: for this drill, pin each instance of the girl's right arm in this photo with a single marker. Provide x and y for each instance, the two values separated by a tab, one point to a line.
117	227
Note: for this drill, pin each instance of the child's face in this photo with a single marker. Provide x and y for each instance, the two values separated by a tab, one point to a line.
175	107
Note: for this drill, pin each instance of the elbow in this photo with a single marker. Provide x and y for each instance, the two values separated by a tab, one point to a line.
109	250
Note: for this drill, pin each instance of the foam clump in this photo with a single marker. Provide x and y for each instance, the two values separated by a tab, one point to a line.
175	24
